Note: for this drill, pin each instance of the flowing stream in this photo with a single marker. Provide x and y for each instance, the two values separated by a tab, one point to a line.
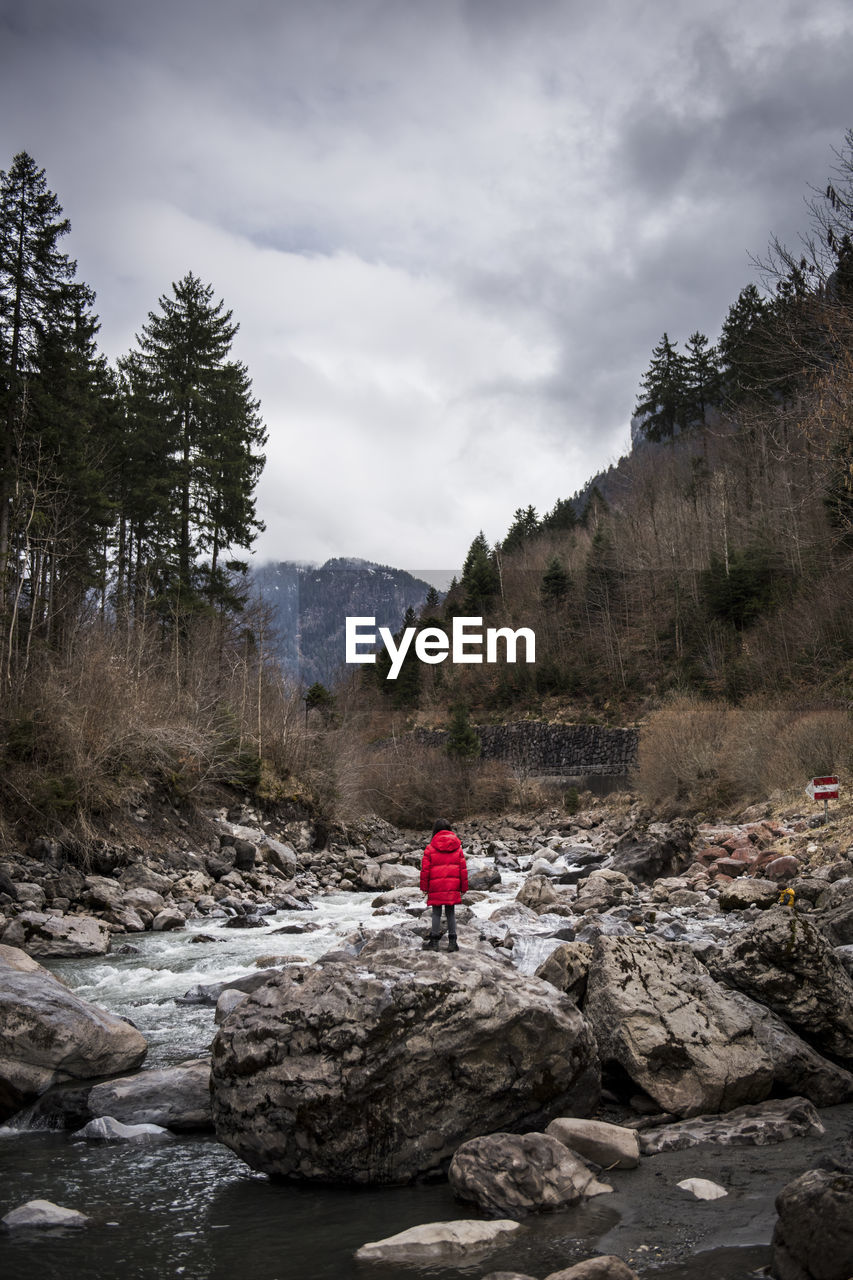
190	1208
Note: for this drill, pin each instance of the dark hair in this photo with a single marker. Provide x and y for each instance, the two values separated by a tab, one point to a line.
440	825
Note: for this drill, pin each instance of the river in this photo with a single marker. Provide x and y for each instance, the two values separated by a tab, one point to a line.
190	1208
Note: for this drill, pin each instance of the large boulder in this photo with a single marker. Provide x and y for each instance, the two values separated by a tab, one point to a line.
375	1068
659	1014
743	893
48	936
661	849
785	963
516	1174
49	1035
813	1238
175	1097
798	1069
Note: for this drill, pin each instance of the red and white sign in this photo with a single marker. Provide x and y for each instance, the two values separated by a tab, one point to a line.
823	788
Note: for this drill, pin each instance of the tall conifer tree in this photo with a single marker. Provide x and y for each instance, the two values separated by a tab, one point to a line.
199	405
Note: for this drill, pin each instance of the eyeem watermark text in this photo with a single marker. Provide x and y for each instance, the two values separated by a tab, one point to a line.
432	644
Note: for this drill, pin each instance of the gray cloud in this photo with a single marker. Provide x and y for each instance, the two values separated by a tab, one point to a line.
451	230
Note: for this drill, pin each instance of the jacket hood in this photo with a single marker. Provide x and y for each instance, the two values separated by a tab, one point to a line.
445	842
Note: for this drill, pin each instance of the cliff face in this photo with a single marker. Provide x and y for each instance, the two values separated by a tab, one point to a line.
311	604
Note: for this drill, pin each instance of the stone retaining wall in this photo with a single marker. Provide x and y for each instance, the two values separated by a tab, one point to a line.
556	750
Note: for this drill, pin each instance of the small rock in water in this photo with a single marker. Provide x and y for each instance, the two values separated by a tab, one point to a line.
702	1189
43	1213
605	1267
106	1129
439	1240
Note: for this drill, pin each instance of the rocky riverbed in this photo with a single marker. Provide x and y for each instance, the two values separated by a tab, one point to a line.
640	973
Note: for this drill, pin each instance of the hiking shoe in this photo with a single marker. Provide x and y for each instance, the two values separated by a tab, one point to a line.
453	945
431	944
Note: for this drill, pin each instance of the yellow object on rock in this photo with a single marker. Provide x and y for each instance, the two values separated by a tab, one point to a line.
786	897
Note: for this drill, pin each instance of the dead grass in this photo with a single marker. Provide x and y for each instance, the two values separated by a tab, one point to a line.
698	755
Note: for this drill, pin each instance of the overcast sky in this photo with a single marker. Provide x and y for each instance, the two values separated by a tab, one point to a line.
451	230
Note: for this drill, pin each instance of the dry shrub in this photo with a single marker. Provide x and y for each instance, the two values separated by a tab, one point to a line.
409	784
681	755
815	744
696	755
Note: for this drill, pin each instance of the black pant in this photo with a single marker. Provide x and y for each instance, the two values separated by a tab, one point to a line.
450	912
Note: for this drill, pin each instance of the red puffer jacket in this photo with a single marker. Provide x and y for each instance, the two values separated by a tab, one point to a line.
444	875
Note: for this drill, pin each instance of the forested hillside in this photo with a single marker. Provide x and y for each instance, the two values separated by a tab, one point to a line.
712	569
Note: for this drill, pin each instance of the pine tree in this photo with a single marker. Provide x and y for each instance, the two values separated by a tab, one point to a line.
743	345
74	430
198	405
479	582
463	742
406	689
33	275
662	402
562	516
702	376
555	582
525	523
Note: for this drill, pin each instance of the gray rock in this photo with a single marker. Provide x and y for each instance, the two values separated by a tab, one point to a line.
177	1098
102	893
397	876
142	899
141	876
845	955
538	893
107	1129
53	936
227	1003
167	919
33	893
375	1068
798	1069
49	1035
837	923
511	1173
42	1213
604	1267
742	893
610	1145
603	889
508	1275
661	849
567	969
813	1238
440	1241
785	963
702	1188
209	993
758	1126
657	1011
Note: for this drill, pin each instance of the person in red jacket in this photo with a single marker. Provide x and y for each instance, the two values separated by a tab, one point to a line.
444	878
